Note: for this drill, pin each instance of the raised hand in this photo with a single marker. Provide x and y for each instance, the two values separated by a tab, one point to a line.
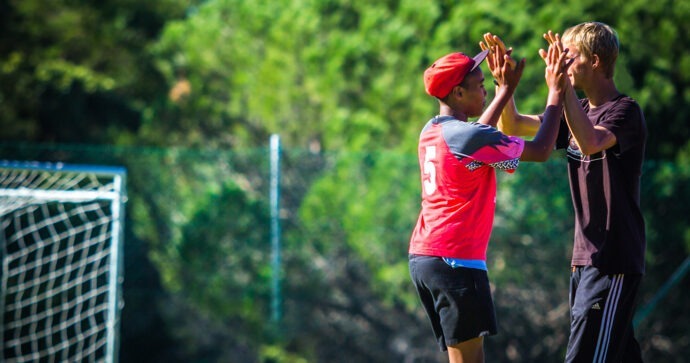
556	64
507	72
496	45
554	39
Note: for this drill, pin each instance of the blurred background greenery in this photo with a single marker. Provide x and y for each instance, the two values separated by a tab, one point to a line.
185	94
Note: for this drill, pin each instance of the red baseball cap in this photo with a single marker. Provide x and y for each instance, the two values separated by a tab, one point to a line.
449	71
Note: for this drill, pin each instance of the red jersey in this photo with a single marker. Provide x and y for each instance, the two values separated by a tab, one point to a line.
458	161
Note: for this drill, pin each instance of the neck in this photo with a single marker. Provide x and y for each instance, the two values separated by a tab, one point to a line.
601	92
446	110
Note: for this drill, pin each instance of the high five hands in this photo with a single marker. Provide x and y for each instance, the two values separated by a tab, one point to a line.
495	44
556	63
554	57
505	70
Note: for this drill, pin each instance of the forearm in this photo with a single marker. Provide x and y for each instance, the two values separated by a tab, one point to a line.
513	123
589	139
492	113
507	123
540	148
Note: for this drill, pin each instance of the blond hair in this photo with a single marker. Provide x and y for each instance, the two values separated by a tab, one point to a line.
595	38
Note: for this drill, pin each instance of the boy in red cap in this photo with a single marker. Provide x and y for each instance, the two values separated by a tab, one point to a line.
458	159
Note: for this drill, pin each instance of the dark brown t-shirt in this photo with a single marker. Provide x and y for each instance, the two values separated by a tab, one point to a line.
605	188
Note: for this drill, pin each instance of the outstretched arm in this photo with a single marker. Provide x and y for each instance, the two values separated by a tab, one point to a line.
507	73
591	139
539	149
511	122
514	123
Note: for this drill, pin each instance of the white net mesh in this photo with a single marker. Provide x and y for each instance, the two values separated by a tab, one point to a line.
60	242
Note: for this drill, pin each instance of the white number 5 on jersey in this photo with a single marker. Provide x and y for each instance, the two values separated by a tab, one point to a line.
430	170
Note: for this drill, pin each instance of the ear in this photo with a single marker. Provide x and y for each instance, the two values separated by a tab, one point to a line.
595	61
457	90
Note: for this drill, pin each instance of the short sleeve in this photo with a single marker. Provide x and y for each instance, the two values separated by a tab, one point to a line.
502	155
484	145
624	120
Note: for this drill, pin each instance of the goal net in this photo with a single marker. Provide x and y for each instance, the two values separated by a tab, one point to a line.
61	274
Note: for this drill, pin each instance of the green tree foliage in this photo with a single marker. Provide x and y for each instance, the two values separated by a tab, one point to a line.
76	71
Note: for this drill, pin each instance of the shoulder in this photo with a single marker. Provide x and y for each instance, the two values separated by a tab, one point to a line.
468	127
625	108
467	137
624	118
470	130
619	107
480	142
626	102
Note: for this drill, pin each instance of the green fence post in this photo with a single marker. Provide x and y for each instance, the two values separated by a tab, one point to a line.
275	229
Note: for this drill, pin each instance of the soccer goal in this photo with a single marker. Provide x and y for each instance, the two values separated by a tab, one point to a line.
61	252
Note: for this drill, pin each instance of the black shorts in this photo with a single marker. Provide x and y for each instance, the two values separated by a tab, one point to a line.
457	300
